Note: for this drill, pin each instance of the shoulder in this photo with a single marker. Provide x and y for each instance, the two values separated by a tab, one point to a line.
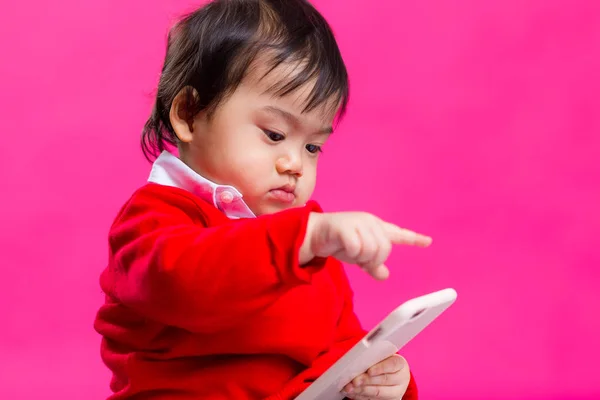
156	195
159	201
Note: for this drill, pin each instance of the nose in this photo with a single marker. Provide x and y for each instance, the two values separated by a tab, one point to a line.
290	164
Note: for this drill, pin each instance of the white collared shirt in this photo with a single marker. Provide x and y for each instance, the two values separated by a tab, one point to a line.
169	170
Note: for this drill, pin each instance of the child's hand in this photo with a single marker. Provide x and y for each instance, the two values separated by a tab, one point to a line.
356	238
387	380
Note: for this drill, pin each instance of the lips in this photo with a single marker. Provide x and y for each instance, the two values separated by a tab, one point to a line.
285	194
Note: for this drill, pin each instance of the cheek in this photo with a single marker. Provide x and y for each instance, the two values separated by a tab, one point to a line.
252	171
256	162
246	154
308	182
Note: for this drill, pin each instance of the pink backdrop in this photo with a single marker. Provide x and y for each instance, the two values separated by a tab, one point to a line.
475	121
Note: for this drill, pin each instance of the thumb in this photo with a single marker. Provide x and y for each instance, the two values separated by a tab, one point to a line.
399	235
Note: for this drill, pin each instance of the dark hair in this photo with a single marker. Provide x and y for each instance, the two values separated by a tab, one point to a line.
210	51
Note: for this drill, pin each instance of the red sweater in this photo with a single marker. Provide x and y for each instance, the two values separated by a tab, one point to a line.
199	306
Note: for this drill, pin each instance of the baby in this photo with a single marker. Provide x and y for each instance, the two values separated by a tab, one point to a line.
224	281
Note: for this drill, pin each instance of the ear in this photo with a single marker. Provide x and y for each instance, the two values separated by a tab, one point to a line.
180	115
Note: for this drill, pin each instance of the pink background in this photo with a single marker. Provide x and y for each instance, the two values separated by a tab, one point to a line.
476	122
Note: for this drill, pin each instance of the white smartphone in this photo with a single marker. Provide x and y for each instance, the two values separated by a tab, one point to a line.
397	329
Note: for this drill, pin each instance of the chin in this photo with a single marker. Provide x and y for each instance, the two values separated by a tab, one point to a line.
273	208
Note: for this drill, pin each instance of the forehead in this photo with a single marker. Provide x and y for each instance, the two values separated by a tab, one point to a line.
266	83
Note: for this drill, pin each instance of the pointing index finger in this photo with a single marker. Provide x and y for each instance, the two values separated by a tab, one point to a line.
404	236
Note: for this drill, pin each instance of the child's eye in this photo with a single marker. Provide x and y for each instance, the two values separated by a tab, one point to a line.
313	148
274	136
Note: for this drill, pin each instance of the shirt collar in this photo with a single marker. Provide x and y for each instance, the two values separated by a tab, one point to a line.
169	170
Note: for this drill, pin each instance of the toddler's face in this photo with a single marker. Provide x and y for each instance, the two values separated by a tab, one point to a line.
260	143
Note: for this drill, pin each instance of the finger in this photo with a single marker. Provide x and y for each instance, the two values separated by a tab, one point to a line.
404	236
349	392
351	246
380	272
375	267
368	249
378	392
388	379
358	397
390	365
383	247
343	257
360	380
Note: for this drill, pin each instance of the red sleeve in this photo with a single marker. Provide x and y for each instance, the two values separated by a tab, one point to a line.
349	332
171	269
412	392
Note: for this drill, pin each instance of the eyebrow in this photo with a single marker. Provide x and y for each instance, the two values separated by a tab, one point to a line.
293	119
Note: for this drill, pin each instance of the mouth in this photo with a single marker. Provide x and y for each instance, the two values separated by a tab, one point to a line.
284	194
